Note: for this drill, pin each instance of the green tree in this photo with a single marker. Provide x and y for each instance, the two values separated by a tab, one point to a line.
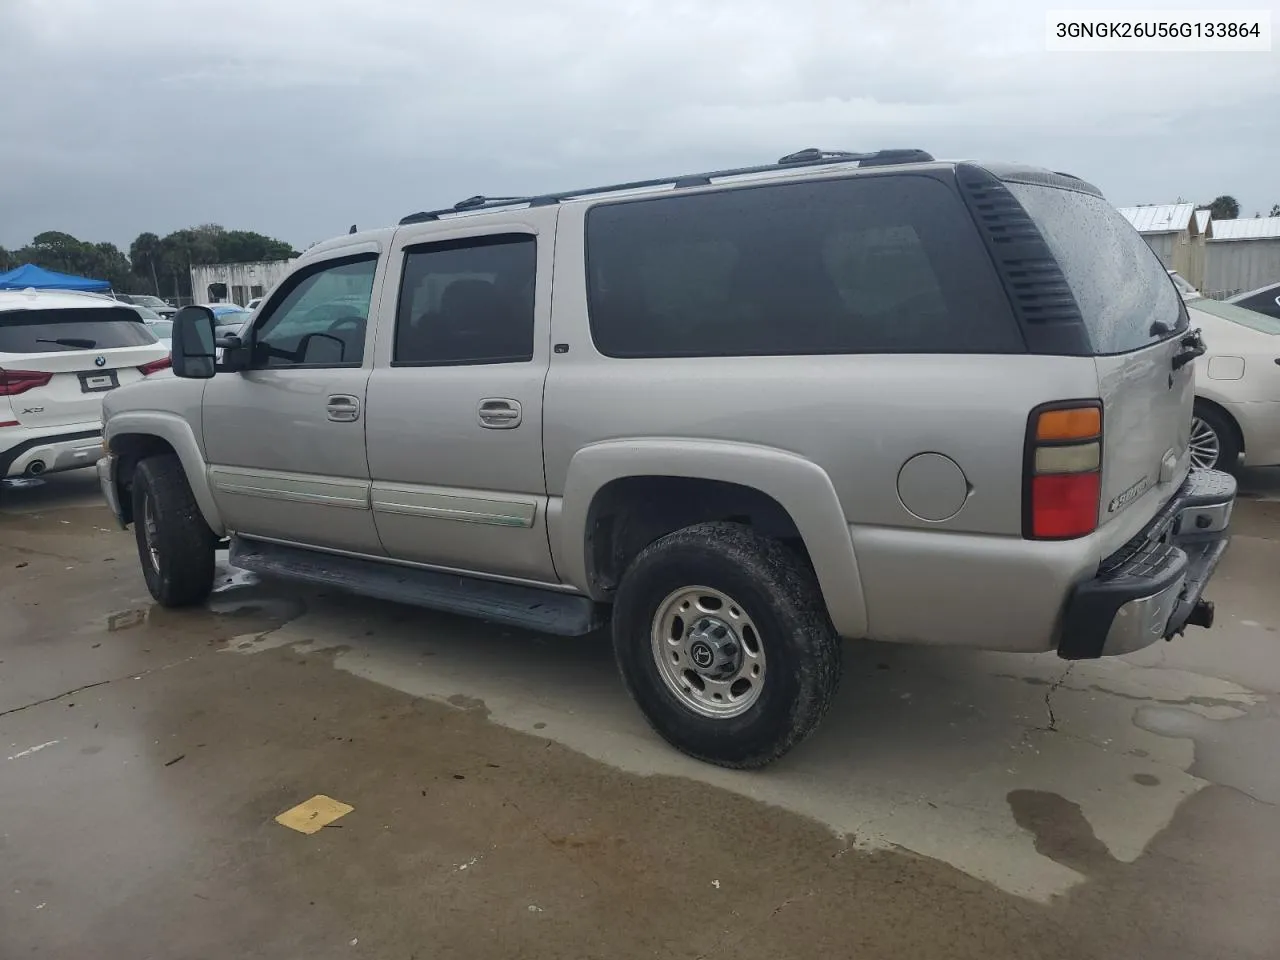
1275	210
144	256
55	250
1225	207
7	262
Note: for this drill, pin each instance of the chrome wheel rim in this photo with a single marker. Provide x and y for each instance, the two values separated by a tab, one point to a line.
150	533
1205	446
708	652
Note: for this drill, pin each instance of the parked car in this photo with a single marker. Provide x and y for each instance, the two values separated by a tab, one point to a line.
1185	289
151	303
1263	300
253	304
60	354
743	426
1237	409
230	317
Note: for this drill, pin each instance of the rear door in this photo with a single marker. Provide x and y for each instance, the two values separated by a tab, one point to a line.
56	364
1135	320
455	400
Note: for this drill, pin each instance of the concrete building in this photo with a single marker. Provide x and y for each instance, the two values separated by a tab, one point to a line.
1242	255
236	282
1176	232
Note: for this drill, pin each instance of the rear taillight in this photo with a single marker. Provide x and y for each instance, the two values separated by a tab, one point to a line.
155	366
1063	472
14	382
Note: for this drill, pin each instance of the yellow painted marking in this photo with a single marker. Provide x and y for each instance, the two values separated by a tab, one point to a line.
314	814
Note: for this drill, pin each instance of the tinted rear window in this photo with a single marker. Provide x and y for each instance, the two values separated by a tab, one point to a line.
857	265
22	331
1125	294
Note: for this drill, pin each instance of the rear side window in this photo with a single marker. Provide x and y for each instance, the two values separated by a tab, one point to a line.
1126	296
51	331
467	301
887	264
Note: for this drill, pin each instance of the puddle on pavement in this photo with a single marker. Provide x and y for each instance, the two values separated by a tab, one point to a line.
1238	752
241	593
241	605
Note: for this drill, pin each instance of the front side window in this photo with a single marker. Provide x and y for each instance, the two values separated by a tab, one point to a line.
467	301
320	318
884	264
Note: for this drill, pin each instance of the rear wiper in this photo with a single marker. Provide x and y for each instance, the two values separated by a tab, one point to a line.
76	342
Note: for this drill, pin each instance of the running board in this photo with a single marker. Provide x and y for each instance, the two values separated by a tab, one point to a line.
506	603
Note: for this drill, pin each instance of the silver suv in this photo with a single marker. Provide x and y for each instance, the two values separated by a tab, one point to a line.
738	415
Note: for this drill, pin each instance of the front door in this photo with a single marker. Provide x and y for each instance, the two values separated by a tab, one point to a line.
284	440
455	400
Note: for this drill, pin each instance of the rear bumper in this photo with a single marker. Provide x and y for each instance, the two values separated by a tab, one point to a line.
31	453
1150	589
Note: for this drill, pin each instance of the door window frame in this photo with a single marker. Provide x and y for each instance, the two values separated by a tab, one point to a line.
488	238
268	310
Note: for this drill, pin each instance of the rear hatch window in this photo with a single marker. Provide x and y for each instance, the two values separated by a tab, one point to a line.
1124	293
93	328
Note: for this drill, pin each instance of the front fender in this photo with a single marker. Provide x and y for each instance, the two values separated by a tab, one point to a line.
802	488
176	432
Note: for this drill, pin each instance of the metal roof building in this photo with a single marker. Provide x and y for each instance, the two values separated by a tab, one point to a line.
1256	228
1176	233
1242	255
1161	217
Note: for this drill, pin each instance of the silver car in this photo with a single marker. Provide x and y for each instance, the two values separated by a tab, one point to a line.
735	416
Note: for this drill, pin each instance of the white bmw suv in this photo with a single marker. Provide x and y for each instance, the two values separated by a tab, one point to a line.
60	353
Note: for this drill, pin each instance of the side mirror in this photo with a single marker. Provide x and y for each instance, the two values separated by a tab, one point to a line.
193	349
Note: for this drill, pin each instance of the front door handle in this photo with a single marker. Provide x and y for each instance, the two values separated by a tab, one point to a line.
343	408
499	413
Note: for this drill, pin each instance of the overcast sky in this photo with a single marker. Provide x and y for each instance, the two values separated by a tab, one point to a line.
297	118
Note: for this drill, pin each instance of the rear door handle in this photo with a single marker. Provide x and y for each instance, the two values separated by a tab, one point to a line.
343	408
499	413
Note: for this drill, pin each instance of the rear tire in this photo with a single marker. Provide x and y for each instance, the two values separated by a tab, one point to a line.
175	545
1211	427
774	668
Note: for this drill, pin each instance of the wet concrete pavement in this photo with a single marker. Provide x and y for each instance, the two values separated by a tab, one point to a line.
510	802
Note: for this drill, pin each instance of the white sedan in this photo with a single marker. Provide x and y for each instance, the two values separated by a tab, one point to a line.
1237	412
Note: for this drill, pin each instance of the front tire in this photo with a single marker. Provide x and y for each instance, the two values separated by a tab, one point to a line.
175	545
1215	443
723	641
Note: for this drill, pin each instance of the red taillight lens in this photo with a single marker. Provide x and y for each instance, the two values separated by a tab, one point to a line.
1063	471
14	382
1064	506
155	366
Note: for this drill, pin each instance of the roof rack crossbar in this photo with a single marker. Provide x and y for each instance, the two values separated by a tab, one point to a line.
811	157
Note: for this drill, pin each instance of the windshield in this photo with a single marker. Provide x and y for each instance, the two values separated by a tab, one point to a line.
1122	289
1245	318
161	328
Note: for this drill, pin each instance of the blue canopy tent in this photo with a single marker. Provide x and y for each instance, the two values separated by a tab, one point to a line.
29	275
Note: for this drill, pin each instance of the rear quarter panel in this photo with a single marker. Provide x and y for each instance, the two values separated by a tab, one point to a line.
859	419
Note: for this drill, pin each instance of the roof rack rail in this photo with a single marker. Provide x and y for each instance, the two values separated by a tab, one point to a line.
810	157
